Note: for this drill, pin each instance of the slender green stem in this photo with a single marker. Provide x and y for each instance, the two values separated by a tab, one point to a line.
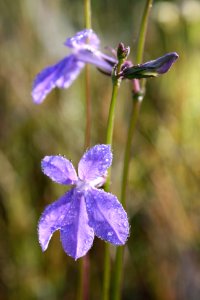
84	263
87	107
87	13
80	280
106	275
119	251
109	139
132	125
131	130
143	31
110	124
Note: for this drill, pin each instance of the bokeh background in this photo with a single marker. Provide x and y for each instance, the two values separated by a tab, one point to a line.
162	257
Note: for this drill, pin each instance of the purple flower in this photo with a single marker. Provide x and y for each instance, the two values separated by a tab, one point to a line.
152	68
84	211
84	46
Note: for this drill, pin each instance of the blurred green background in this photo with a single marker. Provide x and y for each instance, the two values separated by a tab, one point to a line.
162	257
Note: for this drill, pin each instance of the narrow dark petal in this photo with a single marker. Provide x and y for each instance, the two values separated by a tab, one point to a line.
86	36
59	169
77	236
53	218
95	162
59	75
152	68
163	63
107	217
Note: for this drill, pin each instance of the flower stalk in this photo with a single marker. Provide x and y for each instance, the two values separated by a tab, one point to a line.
88	25
137	100
116	80
84	263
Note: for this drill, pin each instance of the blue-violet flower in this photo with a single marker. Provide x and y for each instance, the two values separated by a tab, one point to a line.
152	68
85	49
84	211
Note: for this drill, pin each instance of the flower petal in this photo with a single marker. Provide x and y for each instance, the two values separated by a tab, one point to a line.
77	236
95	162
53	218
81	38
162	64
59	75
59	169
107	217
151	68
95	57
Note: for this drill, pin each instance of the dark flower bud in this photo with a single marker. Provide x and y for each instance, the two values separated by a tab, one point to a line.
151	68
122	51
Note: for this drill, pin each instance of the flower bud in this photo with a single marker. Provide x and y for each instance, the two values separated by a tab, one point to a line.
122	51
151	68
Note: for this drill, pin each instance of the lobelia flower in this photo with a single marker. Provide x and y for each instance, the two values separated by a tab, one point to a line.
152	68
84	211
85	49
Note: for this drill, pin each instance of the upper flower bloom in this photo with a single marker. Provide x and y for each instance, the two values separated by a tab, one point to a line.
84	211
85	49
84	46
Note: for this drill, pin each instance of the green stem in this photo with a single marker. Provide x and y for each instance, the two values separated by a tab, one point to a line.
119	252
143	31
87	13
111	115
87	107
80	280
132	125
131	130
84	263
109	139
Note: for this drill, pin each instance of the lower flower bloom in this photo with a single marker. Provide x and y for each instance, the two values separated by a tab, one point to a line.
85	210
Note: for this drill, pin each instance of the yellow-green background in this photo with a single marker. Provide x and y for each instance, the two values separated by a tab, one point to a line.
162	258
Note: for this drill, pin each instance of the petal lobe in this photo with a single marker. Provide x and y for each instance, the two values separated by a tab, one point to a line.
107	217
59	169
77	237
53	218
59	75
95	162
83	37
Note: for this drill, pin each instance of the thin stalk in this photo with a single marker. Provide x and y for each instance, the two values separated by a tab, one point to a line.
87	107
143	31
119	252
111	116
109	139
87	13
137	99
80	280
131	130
84	263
